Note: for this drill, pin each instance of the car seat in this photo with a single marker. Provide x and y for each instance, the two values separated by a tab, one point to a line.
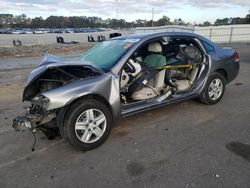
155	59
190	54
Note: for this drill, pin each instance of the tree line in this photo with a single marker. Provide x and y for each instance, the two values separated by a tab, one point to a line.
22	21
228	21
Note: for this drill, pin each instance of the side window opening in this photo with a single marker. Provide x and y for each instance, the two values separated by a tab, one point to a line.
159	69
208	47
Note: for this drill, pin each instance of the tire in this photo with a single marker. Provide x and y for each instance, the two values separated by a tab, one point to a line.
82	123
208	95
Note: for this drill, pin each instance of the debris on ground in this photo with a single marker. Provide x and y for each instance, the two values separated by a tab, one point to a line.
39	50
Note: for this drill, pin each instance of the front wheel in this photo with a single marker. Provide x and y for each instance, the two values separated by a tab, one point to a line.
214	89
87	124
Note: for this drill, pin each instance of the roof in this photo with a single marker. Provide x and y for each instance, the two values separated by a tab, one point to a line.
159	34
146	35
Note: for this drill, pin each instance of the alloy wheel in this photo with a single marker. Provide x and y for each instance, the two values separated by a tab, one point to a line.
215	89
90	126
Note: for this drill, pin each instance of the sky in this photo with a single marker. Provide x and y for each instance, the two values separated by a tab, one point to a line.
191	11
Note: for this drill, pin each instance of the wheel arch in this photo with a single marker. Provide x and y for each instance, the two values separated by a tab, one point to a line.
62	112
223	72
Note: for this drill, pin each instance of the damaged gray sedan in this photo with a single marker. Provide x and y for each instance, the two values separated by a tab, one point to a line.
120	77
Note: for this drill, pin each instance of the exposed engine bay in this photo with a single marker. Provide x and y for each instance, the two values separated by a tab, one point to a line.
161	69
56	77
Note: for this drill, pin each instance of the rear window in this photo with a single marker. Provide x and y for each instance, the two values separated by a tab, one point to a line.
208	47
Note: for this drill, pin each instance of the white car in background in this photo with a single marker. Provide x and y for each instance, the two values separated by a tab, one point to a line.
27	31
16	32
40	31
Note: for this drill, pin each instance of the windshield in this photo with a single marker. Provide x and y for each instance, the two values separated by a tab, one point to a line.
106	54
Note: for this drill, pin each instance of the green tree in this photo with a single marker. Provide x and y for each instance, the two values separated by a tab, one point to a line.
224	21
237	20
206	23
37	22
55	22
247	19
178	22
163	21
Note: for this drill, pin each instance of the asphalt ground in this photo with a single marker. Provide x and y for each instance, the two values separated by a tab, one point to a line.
187	144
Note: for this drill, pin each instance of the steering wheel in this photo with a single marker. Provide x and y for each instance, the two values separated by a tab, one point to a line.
130	68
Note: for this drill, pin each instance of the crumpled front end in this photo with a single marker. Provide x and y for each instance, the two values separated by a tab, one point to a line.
52	74
35	116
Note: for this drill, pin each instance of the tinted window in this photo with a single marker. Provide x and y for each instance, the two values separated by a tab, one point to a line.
208	47
106	54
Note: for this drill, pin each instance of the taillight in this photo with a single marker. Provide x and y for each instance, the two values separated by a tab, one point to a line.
237	57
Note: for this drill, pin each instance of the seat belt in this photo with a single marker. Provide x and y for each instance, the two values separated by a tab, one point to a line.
190	66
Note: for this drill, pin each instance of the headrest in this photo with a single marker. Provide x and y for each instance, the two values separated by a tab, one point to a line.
190	51
155	47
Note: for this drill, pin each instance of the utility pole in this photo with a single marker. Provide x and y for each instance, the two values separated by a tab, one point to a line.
117	3
152	17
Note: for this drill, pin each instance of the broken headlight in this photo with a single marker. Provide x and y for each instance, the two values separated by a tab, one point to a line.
41	101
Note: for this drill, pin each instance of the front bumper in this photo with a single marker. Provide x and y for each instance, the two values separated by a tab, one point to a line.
32	122
24	122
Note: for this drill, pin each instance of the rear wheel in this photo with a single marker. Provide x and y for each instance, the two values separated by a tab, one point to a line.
87	124
214	89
